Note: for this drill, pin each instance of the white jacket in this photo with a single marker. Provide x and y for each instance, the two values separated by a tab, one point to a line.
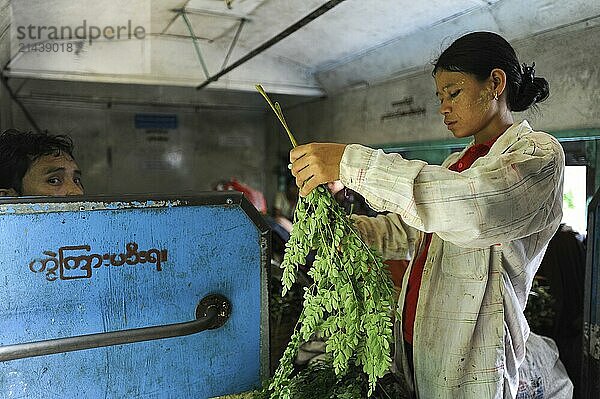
491	225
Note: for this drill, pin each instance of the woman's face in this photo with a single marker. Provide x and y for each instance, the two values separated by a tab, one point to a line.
465	103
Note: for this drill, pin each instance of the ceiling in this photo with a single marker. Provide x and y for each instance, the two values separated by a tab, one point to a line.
307	48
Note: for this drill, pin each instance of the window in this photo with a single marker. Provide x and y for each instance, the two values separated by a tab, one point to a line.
574	198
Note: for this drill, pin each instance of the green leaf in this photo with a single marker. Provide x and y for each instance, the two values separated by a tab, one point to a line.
351	290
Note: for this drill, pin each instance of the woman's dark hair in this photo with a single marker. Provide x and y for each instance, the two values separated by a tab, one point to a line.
18	150
478	53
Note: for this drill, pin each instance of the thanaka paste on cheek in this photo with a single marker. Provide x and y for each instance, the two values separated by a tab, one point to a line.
485	100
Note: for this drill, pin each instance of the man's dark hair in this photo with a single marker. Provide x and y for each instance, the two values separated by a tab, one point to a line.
18	150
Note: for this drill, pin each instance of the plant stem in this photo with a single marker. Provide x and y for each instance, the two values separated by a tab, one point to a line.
275	107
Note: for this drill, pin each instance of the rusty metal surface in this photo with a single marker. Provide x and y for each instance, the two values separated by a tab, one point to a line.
10	205
103	265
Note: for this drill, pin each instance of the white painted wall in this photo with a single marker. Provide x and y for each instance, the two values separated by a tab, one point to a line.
568	58
4	59
210	143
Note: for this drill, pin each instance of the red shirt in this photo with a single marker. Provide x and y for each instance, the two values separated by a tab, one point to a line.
414	279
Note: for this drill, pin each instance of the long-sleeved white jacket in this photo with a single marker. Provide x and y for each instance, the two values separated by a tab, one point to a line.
491	225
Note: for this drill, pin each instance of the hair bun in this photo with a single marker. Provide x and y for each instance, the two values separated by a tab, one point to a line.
528	73
532	90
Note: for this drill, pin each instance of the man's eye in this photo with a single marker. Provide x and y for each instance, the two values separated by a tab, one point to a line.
77	180
456	93
54	180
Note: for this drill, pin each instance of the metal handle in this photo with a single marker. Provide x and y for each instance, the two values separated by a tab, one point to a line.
211	313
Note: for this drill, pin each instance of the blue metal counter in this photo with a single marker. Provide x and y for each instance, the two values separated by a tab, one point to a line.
73	267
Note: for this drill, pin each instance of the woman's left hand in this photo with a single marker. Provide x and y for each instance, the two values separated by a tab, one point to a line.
316	163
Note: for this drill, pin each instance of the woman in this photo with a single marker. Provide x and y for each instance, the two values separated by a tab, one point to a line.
484	219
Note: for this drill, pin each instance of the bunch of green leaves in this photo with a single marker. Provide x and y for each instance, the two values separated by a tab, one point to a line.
318	380
350	302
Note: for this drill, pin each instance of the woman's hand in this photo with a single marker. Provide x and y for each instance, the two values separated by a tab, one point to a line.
316	163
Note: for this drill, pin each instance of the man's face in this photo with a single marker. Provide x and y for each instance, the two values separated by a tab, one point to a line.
53	175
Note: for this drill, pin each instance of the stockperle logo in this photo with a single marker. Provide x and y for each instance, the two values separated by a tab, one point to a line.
63	36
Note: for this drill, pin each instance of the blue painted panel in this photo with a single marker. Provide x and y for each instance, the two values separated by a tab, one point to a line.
204	249
155	121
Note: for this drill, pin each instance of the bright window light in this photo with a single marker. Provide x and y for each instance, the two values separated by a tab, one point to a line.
574	198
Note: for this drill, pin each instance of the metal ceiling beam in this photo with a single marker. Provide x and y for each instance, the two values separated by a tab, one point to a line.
233	42
210	13
14	97
51	98
195	41
298	25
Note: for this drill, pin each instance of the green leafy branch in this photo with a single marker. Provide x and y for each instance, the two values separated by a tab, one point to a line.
350	301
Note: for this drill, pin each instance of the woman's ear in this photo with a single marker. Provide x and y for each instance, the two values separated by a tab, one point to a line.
8	192
498	77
